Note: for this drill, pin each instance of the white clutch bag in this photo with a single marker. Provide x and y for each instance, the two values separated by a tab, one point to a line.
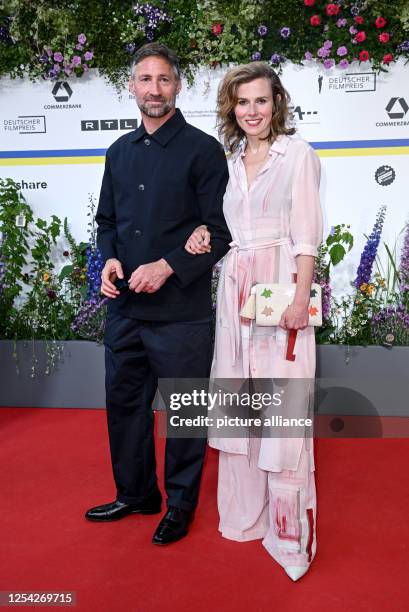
267	302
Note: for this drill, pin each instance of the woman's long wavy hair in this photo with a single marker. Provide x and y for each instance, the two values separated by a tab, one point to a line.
229	130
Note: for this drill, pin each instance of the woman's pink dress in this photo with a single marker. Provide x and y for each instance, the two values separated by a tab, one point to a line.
266	486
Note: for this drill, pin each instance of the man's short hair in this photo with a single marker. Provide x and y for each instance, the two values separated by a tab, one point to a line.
156	49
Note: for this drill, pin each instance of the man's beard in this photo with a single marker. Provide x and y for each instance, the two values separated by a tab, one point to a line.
157	111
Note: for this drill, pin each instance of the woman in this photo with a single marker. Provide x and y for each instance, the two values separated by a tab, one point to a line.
266	486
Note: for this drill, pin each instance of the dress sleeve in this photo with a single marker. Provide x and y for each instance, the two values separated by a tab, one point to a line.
306	214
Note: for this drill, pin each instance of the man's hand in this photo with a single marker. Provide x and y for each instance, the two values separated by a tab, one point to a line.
111	271
199	241
150	277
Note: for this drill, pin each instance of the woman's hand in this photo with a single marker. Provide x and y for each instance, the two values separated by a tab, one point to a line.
294	317
199	241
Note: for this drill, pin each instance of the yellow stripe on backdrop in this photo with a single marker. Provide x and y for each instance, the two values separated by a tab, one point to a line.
51	161
364	152
100	159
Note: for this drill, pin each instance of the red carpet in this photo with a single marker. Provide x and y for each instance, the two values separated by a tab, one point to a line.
55	464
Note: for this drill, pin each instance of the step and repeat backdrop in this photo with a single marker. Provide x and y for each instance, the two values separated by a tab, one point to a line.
54	136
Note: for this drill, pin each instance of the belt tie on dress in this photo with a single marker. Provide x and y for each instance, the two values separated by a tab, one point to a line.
232	277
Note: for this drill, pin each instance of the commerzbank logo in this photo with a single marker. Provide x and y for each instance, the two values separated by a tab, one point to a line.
397	108
397	111
62	94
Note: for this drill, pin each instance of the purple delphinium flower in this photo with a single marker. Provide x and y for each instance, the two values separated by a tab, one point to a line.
256	57
90	320
308	55
67	70
79	47
320	277
369	253
343	63
275	58
88	56
285	32
58	57
328	63
76	60
353	30
341	23
326	300
57	68
262	30
404	265
327	44
82	39
341	51
323	52
94	268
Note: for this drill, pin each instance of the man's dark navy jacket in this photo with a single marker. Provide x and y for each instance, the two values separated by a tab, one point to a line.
157	188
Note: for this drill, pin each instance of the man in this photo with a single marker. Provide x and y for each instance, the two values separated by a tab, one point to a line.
160	182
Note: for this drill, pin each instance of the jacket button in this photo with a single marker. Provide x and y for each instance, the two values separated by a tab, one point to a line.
147	142
138	233
141	187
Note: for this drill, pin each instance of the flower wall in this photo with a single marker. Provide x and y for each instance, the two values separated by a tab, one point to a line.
51	40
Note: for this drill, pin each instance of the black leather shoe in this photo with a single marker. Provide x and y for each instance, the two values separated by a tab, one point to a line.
117	510
172	527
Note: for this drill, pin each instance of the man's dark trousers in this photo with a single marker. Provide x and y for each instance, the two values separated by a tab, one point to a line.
137	353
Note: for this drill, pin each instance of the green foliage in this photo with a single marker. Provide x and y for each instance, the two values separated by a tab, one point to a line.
35	302
14	250
330	253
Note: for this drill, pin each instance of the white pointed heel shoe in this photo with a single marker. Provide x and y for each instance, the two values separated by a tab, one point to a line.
295	572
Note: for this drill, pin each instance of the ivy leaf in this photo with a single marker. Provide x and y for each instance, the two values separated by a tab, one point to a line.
337	254
65	272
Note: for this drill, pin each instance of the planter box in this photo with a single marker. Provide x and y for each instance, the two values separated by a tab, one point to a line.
374	381
77	380
359	380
